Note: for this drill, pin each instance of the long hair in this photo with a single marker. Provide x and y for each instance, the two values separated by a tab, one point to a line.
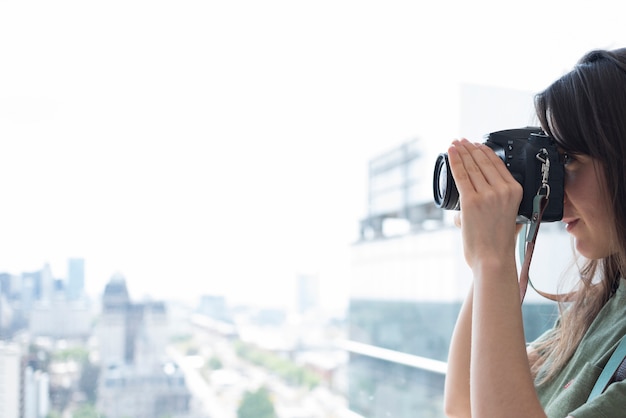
585	111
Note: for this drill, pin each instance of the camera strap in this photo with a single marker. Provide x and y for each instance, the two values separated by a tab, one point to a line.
527	246
527	240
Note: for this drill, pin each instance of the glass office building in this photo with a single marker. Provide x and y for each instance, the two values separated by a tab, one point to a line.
402	314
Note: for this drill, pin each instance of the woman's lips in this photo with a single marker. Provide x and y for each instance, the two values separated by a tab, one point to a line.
571	224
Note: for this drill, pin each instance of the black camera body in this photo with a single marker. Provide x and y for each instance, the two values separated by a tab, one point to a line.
519	149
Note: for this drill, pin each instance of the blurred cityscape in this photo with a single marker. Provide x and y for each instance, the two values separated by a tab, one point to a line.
64	354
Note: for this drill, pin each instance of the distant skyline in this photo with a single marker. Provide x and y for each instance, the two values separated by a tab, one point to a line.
222	147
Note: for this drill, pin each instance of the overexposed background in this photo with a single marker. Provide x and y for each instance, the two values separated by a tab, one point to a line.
222	147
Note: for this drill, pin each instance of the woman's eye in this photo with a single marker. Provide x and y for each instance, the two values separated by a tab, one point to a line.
567	159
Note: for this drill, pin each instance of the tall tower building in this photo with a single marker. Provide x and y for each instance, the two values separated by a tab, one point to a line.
113	324
10	381
36	393
47	284
307	293
137	380
75	278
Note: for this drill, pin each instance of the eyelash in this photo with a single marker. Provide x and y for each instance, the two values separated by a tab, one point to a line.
567	159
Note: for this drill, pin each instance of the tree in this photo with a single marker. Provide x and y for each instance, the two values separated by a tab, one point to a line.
256	405
85	411
214	363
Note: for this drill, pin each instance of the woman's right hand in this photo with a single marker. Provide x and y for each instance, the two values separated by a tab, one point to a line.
490	199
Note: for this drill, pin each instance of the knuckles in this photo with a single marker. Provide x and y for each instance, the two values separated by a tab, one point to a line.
503	196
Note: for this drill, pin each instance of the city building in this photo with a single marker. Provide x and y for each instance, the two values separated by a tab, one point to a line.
112	335
125	392
36	393
6	311
215	307
408	286
46	306
136	377
46	290
307	293
60	318
10	380
75	278
62	309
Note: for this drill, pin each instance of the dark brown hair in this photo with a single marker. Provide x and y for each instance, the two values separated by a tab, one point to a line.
585	111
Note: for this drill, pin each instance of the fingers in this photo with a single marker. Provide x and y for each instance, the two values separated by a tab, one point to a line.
464	168
482	179
476	164
457	219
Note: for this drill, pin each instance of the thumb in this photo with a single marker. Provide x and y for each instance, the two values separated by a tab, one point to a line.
457	219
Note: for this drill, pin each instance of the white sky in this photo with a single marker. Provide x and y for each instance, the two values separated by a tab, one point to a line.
221	147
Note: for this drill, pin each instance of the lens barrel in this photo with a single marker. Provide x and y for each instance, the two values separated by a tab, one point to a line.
444	188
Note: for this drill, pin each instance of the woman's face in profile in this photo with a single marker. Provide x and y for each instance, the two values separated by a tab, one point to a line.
586	209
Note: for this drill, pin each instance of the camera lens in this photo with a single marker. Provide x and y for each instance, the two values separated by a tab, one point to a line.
444	189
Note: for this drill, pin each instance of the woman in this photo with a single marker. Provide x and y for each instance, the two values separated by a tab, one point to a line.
491	371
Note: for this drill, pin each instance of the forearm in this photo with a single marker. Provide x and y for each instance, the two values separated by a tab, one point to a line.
457	385
500	374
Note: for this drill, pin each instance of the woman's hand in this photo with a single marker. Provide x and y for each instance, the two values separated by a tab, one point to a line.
490	199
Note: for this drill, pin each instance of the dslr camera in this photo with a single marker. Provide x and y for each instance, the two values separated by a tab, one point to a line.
522	151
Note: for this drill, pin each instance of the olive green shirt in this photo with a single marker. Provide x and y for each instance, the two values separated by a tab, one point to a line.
566	394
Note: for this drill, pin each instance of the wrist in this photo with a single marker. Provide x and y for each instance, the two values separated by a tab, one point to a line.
495	268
